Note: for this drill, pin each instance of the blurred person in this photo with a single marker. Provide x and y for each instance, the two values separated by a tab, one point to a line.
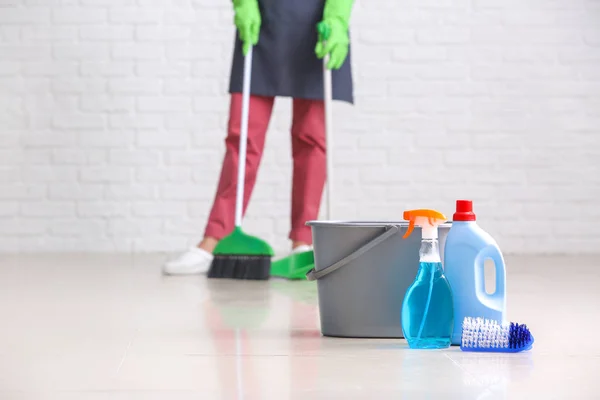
287	54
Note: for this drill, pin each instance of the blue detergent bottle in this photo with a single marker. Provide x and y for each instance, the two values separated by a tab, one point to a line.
427	310
466	249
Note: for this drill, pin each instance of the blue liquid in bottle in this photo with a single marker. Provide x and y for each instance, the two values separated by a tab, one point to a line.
427	310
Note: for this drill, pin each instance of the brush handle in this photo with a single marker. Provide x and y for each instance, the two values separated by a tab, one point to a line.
241	178
327	98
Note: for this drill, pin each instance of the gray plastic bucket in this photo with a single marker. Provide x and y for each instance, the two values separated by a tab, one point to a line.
363	270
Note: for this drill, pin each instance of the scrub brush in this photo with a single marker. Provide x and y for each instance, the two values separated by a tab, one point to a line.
484	335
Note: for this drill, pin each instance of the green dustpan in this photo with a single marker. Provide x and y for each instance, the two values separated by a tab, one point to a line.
294	266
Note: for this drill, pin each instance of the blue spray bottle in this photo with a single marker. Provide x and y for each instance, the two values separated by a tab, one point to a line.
427	310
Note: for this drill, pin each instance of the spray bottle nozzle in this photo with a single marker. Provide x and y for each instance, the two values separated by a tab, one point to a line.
427	219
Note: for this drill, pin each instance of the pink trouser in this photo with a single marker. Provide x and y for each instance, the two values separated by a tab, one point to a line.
308	152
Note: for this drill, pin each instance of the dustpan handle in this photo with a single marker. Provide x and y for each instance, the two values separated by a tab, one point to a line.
327	99
390	230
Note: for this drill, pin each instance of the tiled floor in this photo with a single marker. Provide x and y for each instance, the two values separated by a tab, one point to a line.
111	327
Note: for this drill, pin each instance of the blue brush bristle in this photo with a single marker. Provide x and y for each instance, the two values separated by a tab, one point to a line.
491	336
519	336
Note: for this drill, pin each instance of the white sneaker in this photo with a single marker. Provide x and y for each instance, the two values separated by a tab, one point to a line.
302	249
194	261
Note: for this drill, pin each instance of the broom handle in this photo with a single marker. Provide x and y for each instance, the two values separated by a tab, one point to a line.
241	178
328	132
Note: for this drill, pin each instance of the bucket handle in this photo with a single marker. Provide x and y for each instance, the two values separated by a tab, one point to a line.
390	230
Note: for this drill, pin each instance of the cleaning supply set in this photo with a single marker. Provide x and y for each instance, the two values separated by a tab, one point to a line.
449	287
436	284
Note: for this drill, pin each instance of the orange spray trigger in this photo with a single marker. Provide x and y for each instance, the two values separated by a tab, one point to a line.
411	227
425	218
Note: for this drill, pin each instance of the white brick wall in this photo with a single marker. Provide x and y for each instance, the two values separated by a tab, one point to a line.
112	116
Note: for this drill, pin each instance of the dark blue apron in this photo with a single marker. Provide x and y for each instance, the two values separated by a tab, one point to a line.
284	62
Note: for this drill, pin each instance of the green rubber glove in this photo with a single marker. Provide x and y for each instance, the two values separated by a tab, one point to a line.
333	32
247	21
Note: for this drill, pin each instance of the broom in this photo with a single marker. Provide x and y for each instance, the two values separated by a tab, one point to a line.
239	255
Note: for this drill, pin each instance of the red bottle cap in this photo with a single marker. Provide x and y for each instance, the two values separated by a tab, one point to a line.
464	211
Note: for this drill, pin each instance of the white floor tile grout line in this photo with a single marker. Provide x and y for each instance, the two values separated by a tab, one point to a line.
463	369
487	390
129	344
